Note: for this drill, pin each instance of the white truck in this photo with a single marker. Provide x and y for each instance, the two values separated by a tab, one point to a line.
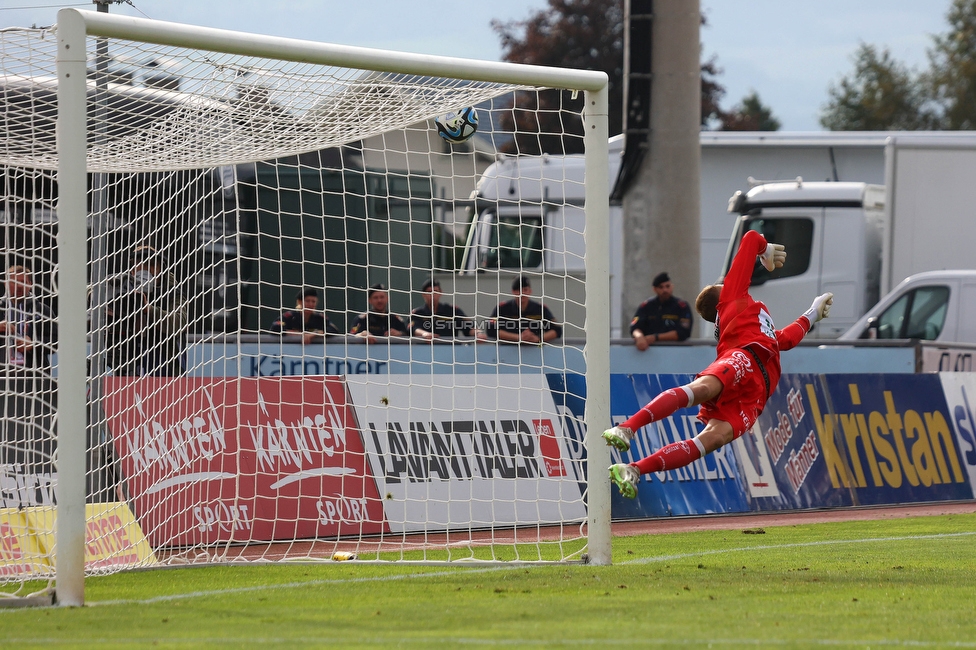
528	219
858	240
931	167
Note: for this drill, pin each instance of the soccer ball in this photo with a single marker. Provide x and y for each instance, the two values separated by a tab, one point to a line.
457	127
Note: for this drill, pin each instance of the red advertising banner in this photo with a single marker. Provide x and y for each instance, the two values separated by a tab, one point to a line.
549	447
214	459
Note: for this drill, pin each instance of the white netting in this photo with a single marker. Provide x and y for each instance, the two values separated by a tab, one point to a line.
224	191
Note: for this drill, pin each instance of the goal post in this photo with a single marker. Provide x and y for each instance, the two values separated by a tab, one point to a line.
353	114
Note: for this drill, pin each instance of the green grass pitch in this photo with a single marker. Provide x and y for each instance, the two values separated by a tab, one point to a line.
894	583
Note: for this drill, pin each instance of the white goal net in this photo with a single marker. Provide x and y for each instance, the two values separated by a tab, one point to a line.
314	328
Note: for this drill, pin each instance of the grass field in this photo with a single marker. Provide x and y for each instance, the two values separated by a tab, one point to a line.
894	583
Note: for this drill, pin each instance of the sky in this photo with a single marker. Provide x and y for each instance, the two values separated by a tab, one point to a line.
788	51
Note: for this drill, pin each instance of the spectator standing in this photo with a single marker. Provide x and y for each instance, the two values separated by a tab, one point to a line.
436	319
147	319
665	317
305	319
522	319
28	325
377	320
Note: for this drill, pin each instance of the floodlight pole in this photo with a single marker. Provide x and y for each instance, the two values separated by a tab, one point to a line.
72	309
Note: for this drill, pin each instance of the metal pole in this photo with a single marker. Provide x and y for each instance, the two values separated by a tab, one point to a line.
275	47
97	435
72	296
597	349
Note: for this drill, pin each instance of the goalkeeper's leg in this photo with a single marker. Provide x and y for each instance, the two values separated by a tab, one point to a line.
677	454
702	389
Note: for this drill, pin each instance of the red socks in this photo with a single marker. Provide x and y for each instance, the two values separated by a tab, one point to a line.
660	407
673	456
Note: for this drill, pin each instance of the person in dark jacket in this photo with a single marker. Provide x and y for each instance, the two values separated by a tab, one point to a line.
436	319
146	318
521	319
27	325
665	317
305	318
378	321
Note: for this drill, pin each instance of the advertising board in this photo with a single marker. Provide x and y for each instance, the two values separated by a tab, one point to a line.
467	451
241	459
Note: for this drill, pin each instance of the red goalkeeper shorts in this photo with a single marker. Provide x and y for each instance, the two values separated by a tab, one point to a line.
743	395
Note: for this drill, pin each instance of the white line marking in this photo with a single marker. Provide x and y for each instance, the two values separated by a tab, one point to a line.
767	547
320	641
292	585
461	569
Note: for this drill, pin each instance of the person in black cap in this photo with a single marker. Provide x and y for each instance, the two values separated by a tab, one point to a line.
435	319
305	318
662	318
522	319
377	320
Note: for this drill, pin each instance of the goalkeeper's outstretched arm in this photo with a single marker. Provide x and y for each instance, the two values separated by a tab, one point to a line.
792	334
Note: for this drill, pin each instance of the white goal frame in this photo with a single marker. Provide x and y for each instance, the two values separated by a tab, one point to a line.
75	26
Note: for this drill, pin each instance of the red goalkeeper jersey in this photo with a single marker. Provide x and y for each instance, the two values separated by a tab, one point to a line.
745	322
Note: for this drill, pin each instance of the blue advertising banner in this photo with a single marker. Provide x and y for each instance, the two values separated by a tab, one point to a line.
786	463
823	441
709	485
892	439
351	356
959	389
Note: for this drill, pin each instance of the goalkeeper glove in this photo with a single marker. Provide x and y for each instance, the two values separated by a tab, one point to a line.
820	308
774	257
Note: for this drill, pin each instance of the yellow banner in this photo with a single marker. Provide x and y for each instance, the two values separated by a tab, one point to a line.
20	554
113	538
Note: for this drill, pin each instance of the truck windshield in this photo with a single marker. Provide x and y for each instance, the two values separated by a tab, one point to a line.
796	233
515	242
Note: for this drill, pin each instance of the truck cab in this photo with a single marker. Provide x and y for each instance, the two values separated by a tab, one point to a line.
528	218
832	232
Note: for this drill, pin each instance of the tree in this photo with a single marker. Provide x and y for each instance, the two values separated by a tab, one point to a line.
750	115
881	94
711	90
584	34
952	76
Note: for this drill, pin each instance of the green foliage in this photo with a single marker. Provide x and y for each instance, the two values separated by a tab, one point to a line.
880	94
750	115
952	78
712	90
582	34
894	582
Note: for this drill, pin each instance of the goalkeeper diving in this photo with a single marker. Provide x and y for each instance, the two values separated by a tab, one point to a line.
733	390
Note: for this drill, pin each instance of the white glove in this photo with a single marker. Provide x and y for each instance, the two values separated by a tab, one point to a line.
774	257
820	308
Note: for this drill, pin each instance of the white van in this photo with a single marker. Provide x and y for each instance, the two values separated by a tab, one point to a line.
930	306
